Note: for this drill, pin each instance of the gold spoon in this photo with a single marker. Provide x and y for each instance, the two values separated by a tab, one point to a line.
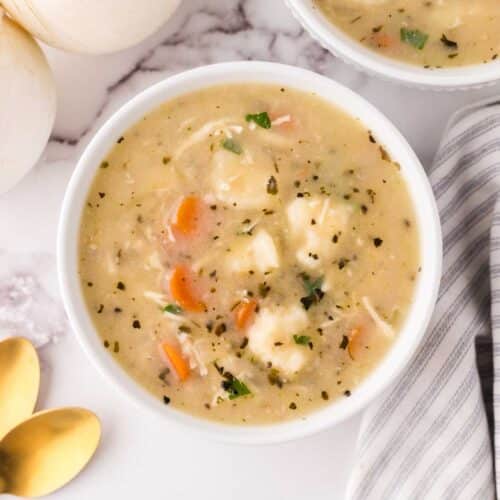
19	382
46	451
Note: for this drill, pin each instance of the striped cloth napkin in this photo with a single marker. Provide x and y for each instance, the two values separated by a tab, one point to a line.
431	435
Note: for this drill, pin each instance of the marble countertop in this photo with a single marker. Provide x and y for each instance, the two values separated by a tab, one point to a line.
136	459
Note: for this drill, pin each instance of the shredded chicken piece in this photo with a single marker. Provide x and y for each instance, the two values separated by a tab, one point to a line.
111	264
190	350
170	234
211	127
154	261
174	317
156	297
385	327
327	324
324	210
280	120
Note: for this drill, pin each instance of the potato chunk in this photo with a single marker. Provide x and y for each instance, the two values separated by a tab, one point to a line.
270	338
257	253
241	181
313	222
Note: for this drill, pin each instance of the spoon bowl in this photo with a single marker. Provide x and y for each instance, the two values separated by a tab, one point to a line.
19	382
47	451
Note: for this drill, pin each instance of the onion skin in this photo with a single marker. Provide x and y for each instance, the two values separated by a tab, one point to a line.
27	102
91	26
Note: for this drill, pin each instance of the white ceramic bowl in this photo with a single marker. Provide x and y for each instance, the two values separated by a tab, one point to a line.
342	45
247	72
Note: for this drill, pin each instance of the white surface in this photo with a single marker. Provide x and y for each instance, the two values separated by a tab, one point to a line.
140	457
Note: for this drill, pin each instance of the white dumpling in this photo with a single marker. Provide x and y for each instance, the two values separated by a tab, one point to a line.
312	224
270	338
241	181
254	253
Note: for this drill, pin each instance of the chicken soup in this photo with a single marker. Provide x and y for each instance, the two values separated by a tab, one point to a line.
248	253
433	34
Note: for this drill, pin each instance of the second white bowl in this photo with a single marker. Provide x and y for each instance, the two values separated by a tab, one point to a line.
352	52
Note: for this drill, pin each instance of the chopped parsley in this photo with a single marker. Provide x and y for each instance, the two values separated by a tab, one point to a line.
272	185
302	339
415	38
345	342
274	378
448	43
313	290
234	387
232	145
163	375
261	119
172	309
264	289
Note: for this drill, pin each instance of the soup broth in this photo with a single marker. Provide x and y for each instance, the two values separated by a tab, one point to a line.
248	253
437	33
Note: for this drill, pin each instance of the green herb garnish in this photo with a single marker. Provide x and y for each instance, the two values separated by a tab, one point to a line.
234	387
232	145
415	38
172	309
302	339
261	119
313	290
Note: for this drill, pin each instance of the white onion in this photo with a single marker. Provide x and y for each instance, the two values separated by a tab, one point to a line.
91	26
27	102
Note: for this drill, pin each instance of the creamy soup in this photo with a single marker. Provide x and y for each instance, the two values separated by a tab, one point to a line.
429	33
248	253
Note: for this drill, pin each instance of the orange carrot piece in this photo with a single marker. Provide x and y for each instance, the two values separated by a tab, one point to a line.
175	358
187	218
244	313
181	288
355	344
383	40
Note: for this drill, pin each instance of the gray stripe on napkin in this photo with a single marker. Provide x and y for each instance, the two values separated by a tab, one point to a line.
431	435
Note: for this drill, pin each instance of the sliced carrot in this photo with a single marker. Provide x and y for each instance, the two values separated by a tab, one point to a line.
356	342
188	216
176	360
383	40
182	290
244	313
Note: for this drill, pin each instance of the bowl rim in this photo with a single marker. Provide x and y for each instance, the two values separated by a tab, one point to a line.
352	52
381	128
